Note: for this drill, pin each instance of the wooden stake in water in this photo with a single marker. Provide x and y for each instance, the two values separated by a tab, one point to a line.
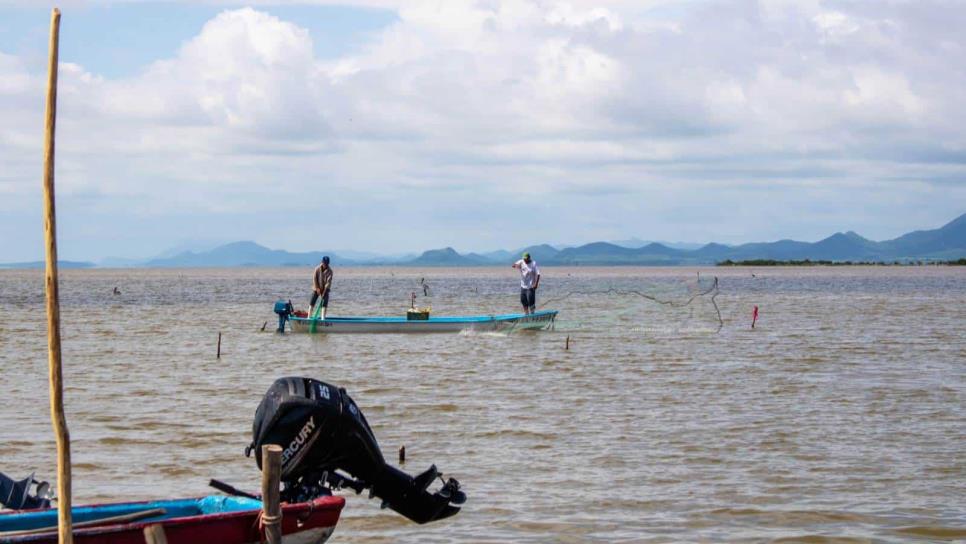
55	375
218	355
271	508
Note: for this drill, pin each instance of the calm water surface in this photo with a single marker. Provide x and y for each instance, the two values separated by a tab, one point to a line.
840	417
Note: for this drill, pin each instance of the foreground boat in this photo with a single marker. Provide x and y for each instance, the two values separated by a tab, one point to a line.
206	520
488	323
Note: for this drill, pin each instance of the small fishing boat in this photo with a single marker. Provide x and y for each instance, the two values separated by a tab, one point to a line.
543	319
206	520
335	447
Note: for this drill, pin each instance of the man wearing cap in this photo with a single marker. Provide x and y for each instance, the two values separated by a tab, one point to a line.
529	281
321	283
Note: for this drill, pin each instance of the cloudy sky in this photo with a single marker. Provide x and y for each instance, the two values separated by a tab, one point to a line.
394	126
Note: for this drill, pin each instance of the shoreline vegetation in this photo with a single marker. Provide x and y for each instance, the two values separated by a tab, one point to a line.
808	262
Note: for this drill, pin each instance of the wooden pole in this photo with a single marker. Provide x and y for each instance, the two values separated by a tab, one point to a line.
111	520
154	534
271	509
55	375
218	355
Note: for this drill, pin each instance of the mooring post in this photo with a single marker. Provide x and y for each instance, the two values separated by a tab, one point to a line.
402	455
271	509
65	533
154	534
218	355
567	345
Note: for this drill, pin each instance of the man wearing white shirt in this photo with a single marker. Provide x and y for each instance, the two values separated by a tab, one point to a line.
529	281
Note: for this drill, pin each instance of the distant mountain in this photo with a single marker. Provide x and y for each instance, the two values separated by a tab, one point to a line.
604	253
635	243
371	257
844	247
499	255
780	250
942	243
191	246
450	257
712	252
447	257
595	253
241	254
43	264
539	253
945	243
382	260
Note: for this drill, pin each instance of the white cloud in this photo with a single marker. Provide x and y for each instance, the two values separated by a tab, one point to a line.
512	97
567	15
885	93
15	78
246	71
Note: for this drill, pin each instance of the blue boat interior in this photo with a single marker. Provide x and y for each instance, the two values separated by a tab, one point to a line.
212	504
445	319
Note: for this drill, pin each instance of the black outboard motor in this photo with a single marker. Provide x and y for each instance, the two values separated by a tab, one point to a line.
17	495
321	430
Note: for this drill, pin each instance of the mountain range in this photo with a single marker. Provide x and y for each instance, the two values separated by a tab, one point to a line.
945	243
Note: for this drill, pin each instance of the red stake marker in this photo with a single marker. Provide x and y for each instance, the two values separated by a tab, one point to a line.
754	316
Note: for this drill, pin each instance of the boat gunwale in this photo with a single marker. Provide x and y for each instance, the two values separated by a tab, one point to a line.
540	315
326	505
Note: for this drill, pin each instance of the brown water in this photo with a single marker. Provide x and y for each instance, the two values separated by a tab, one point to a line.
839	418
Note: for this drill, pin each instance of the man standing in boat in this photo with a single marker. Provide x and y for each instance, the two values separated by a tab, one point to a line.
529	281
321	283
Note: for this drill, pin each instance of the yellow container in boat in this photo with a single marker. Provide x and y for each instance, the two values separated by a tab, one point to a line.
418	314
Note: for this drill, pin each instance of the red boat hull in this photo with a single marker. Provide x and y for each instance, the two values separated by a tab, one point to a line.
302	523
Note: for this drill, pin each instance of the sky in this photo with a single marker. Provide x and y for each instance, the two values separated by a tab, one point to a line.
394	127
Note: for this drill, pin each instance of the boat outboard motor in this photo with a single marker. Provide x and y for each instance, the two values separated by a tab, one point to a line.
321	430
17	496
284	310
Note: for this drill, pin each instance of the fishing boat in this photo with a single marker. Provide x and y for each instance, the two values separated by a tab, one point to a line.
543	319
336	450
205	520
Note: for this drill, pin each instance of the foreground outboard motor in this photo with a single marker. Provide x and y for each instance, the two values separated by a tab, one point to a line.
284	310
17	495
321	430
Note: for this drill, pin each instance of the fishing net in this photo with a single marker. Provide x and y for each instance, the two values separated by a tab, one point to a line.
651	304
655	307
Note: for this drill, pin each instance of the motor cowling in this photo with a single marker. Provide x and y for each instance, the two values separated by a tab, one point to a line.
24	494
321	431
284	310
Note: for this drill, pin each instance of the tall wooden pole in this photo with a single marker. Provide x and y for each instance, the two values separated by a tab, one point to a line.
55	375
271	509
